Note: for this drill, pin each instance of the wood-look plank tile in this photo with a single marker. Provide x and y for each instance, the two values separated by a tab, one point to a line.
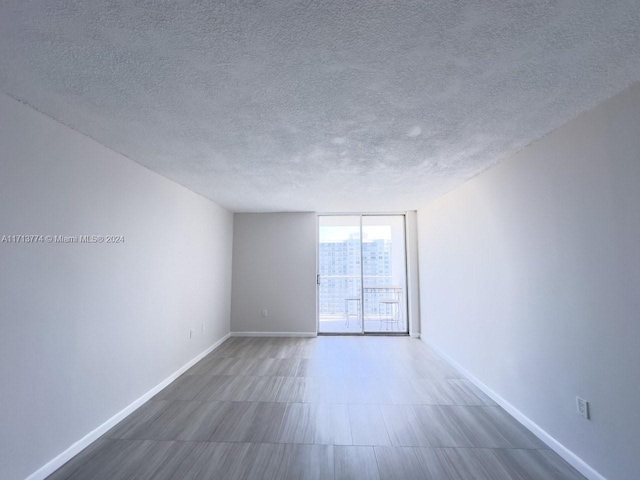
309	462
228	461
442	427
328	367
217	387
276	367
367	425
314	390
211	366
231	366
490	427
266	389
279	408
368	391
292	390
450	392
252	389
184	421
355	463
421	369
515	435
166	426
291	462
306	368
403	426
144	415
117	456
185	387
527	464
202	421
469	393
96	448
251	422
461	464
332	425
399	463
238	348
329	390
298	424
266	460
162	462
402	392
307	423
144	460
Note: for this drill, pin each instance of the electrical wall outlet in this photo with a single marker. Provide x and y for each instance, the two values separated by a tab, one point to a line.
202	326
583	407
265	313
190	333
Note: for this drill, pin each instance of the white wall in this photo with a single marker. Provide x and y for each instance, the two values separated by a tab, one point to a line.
530	280
274	268
412	273
86	329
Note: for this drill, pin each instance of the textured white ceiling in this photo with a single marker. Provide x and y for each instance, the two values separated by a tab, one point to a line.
317	105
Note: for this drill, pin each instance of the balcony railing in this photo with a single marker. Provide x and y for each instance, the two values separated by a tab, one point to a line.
335	289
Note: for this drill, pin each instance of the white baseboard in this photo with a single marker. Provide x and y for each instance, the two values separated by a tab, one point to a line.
571	458
91	437
415	334
274	334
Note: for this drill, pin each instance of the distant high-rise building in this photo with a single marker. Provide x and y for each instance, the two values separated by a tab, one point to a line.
340	271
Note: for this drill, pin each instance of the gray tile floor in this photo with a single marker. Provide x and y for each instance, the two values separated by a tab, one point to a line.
319	408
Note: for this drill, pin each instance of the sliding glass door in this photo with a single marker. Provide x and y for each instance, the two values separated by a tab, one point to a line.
384	275
340	274
361	274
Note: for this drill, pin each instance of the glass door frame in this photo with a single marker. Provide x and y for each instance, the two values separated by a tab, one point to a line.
405	295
